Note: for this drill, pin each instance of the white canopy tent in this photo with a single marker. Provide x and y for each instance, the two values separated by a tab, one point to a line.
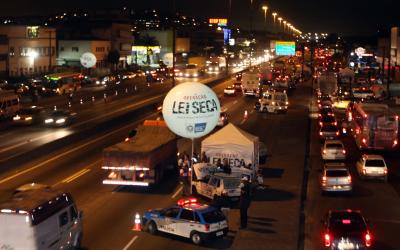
234	144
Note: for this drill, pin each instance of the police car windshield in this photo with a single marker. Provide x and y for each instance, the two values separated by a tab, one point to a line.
213	216
231	183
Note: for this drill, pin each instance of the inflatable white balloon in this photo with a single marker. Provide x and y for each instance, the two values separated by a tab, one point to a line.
191	110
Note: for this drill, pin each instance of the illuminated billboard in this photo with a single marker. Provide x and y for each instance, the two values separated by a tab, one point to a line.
221	22
285	48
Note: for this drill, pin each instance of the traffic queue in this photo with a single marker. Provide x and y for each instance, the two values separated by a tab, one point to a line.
340	118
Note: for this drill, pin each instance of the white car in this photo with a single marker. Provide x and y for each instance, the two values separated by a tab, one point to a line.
274	102
372	166
218	186
336	177
333	150
230	91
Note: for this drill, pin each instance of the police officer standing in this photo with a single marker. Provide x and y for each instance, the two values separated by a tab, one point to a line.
245	199
184	174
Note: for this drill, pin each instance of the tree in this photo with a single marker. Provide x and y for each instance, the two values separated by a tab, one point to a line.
147	41
113	58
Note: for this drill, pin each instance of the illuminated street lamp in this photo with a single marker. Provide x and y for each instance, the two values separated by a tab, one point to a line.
280	21
284	26
274	15
265	9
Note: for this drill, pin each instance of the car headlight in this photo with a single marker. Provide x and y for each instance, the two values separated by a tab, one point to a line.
50	120
210	69
187	74
97	82
216	69
62	120
195	75
43	89
16	118
28	118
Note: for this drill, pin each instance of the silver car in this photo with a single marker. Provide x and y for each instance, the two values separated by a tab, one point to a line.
336	177
333	150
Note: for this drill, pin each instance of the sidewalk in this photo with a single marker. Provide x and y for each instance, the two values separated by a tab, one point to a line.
274	214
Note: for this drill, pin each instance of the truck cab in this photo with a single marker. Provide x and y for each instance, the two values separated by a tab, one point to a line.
218	186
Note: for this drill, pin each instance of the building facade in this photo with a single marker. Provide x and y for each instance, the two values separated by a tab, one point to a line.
70	52
31	50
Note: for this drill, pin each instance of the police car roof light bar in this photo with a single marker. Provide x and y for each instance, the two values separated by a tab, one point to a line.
183	202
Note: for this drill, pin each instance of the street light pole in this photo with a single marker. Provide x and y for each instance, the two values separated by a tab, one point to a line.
265	9
173	41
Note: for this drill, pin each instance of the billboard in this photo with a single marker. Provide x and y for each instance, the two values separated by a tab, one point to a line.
285	48
221	22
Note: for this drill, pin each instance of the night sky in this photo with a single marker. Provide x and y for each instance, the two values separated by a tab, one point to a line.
346	17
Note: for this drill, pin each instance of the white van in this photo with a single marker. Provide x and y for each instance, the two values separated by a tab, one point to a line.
250	84
40	219
274	102
9	104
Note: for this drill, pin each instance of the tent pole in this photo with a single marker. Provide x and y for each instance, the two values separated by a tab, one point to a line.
191	167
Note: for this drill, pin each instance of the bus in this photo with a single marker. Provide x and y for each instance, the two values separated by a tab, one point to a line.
62	83
9	104
373	126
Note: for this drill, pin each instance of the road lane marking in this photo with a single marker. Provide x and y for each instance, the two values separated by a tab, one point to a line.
177	192
75	176
130	243
236	101
63	154
74	149
77	124
24	142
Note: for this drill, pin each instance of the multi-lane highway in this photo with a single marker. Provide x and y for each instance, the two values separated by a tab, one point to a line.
74	166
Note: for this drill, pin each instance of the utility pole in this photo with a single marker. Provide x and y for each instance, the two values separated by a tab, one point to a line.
173	41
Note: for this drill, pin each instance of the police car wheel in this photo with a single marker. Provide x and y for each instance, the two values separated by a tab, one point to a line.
152	227
196	238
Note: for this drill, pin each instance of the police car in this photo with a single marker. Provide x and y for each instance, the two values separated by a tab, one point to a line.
188	219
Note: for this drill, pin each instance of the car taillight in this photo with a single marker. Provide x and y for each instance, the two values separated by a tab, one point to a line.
320	123
206	227
337	133
320	133
385	171
127	139
335	123
344	151
364	140
349	178
368	240
394	142
324	151
327	240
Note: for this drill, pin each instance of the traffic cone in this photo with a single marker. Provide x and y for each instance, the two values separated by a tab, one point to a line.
245	114
93	99
137	226
81	101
